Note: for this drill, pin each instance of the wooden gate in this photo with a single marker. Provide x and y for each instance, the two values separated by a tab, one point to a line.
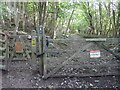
53	69
53	60
60	60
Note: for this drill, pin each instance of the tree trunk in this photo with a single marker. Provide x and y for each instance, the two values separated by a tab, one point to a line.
69	20
2	21
118	21
90	20
34	21
53	21
100	13
9	9
23	16
40	9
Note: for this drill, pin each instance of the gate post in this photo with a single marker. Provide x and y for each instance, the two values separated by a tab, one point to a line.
33	60
7	54
41	41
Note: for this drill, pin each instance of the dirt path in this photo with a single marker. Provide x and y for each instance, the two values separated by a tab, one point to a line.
22	76
19	76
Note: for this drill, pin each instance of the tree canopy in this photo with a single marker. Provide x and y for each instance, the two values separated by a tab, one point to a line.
93	19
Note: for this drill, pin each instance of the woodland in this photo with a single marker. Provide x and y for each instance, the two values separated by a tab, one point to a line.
82	39
61	19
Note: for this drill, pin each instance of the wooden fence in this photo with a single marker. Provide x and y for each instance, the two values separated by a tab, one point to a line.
3	51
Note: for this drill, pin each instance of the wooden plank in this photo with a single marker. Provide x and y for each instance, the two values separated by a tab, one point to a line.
65	62
85	75
81	39
91	66
19	59
78	66
88	39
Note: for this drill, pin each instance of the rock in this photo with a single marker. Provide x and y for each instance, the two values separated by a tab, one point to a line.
106	86
31	81
80	86
50	86
91	84
113	76
12	84
38	75
95	70
39	87
35	78
39	79
36	84
62	83
65	81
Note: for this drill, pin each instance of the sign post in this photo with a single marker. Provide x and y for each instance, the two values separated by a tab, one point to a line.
41	41
33	60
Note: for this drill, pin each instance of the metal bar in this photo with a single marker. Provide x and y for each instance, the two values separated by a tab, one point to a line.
81	39
95	39
89	39
22	36
66	39
19	59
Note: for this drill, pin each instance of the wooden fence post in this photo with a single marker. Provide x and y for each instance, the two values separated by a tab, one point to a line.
41	41
7	54
33	60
